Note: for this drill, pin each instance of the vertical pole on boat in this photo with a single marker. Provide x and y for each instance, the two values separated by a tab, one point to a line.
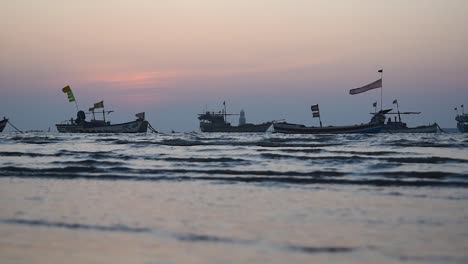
381	89
103	114
398	110
320	120
224	103
76	104
463	109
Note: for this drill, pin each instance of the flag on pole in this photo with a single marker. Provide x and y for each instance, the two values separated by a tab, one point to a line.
316	114
395	101
91	109
68	91
374	104
99	105
365	88
381	70
140	115
224	103
314	108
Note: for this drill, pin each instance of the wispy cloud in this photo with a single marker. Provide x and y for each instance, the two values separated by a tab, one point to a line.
164	78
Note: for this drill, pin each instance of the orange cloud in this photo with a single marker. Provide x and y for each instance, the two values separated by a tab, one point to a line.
137	79
155	79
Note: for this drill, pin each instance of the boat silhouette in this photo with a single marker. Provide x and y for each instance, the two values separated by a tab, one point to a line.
80	125
217	122
3	123
462	120
374	126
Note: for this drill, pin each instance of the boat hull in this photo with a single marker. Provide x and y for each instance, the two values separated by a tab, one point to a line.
301	129
3	123
462	127
138	126
434	128
223	128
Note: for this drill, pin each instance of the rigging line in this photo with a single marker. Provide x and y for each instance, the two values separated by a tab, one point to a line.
441	130
152	128
15	127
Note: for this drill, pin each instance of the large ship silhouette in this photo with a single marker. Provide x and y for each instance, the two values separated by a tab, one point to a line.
217	122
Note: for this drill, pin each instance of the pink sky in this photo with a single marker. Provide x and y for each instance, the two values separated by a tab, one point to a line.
272	58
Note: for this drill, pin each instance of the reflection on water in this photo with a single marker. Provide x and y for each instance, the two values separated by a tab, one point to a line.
211	198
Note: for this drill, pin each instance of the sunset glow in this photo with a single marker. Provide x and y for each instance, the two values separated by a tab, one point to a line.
166	53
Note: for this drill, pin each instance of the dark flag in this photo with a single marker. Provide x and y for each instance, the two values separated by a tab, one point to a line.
99	105
395	101
141	115
314	108
381	70
374	104
365	88
316	114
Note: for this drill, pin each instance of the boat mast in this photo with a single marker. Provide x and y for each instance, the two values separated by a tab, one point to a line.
224	103
398	109
381	89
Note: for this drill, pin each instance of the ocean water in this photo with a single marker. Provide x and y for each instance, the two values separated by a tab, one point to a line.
233	198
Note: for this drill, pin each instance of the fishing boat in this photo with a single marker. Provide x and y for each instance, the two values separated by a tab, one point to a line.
397	126
288	128
217	122
374	126
3	123
80	125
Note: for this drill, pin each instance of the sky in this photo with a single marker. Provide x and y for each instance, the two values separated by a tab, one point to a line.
272	58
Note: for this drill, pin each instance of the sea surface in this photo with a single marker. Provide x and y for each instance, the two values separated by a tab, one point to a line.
233	198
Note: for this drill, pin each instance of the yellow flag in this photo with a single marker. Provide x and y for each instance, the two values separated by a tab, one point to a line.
71	97
66	89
